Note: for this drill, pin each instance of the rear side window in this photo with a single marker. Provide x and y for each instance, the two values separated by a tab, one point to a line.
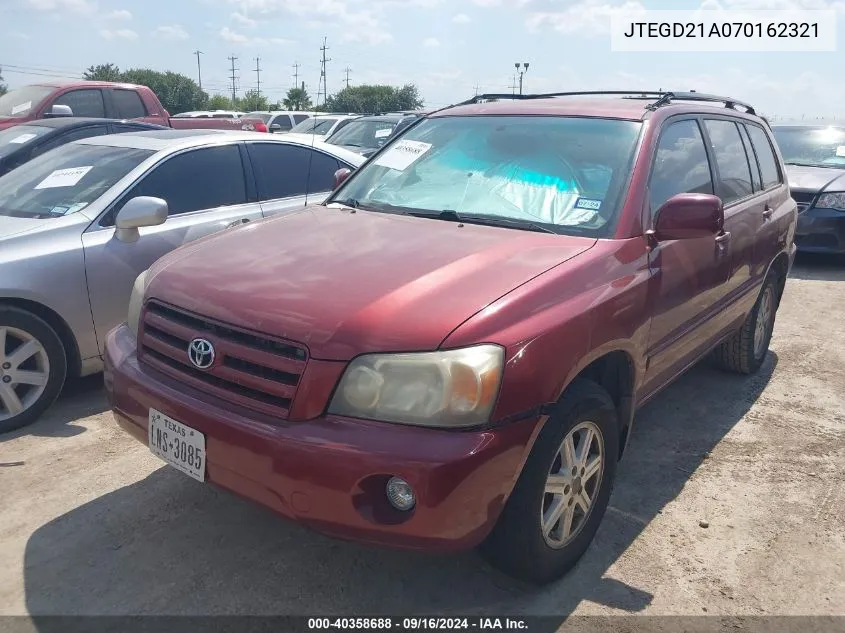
282	170
299	118
752	160
680	165
129	104
72	135
765	156
283	121
731	161
86	103
219	169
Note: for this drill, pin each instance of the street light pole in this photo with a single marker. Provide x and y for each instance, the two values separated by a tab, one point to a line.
521	73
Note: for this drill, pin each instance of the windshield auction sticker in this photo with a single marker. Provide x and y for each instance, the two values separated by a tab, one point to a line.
23	107
403	155
64	177
23	138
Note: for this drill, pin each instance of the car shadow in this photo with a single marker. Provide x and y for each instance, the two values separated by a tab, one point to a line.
170	545
818	267
80	398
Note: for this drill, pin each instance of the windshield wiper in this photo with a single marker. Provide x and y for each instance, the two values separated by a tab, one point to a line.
485	220
827	166
349	202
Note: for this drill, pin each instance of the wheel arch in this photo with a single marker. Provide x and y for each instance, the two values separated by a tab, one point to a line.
780	265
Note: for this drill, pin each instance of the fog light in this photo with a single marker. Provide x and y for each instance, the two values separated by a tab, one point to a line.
400	494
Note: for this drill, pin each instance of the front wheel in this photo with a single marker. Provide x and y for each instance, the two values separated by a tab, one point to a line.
32	367
561	496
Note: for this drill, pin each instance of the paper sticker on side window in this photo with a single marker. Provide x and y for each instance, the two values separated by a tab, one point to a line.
23	138
403	154
587	203
64	177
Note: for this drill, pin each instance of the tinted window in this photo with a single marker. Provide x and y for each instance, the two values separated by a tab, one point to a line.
200	179
129	104
69	136
282	170
314	125
749	151
734	173
765	156
88	102
283	121
680	165
299	118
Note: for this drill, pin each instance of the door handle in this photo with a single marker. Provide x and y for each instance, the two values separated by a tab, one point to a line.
237	223
768	212
722	239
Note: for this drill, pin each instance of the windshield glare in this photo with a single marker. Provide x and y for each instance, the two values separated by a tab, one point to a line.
566	174
368	134
13	138
314	126
65	180
821	146
21	102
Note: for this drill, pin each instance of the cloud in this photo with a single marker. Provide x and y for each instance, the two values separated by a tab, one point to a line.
586	17
487	3
431	42
228	35
73	6
120	14
20	36
243	20
233	37
172	32
119	34
461	18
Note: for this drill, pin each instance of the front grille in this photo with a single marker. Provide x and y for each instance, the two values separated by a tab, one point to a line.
804	199
249	370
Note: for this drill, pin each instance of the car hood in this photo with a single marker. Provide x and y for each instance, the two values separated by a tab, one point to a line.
345	283
815	179
15	226
6	122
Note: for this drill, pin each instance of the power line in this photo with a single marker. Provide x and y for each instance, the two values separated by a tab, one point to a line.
323	50
233	59
258	75
348	70
199	68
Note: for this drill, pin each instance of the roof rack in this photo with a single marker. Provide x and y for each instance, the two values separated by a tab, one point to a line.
662	98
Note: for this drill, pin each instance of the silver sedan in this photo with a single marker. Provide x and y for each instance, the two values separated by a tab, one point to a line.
80	223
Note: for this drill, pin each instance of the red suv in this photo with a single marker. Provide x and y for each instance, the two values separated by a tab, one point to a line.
449	352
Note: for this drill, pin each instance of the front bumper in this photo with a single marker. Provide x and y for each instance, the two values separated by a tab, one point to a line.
821	231
330	473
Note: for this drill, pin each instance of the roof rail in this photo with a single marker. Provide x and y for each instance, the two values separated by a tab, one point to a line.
662	97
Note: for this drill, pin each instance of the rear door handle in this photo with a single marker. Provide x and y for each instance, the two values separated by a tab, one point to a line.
768	212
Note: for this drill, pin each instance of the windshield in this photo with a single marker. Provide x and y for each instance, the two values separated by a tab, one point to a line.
314	125
563	174
21	102
367	134
65	180
821	146
13	138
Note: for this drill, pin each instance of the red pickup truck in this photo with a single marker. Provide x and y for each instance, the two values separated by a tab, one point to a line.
102	99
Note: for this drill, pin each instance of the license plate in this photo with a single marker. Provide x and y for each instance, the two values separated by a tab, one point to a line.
180	446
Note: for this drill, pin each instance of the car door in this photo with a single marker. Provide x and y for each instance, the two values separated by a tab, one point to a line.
206	191
288	176
688	276
84	102
127	104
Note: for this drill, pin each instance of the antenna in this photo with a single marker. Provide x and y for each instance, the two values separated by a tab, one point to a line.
258	75
233	59
199	68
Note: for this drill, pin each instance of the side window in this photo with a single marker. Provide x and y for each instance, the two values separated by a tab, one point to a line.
219	169
283	121
69	137
87	102
734	172
680	164
282	170
765	156
128	104
299	118
752	160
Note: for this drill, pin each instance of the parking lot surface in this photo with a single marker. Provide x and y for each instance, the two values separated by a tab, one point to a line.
92	523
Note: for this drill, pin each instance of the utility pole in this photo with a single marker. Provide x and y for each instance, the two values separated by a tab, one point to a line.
295	75
199	68
521	73
348	70
513	85
323	61
258	75
476	90
233	59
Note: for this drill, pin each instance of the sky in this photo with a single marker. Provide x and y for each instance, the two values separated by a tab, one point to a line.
449	48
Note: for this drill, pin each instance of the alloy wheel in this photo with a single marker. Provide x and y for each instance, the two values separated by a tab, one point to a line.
24	371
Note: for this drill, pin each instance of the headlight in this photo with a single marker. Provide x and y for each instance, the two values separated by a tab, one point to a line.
136	300
831	201
452	388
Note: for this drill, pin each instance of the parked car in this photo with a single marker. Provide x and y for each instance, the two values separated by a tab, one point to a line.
209	114
449	352
367	134
79	223
103	99
815	166
322	125
280	121
22	143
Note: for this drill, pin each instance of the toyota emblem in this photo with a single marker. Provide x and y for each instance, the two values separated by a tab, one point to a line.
201	353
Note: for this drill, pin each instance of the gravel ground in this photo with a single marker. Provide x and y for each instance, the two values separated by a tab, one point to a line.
91	523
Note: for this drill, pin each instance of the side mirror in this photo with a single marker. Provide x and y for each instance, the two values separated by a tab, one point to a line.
138	212
58	111
340	176
275	128
687	216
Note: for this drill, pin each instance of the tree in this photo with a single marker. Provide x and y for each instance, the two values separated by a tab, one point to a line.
3	88
375	98
297	99
253	100
219	102
176	92
103	72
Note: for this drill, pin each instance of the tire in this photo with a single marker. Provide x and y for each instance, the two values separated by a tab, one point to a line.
744	353
518	545
18	327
